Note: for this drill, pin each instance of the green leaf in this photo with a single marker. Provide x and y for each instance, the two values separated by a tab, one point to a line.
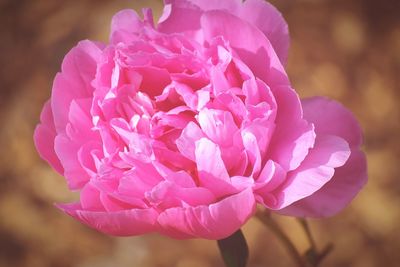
234	250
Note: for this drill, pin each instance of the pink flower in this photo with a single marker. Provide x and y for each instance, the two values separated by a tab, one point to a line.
183	126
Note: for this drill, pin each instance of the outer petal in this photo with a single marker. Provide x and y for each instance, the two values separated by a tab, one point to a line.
218	125
67	152
209	161
293	136
290	145
118	223
337	193
228	5
270	21
348	179
316	170
179	18
259	13
124	25
330	117
215	221
186	143
249	42
74	81
44	136
211	168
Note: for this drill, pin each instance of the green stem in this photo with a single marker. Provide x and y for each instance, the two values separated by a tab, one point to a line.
313	256
234	250
266	219
304	224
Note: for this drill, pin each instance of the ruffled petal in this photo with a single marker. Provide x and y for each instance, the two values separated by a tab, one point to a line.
186	142
336	194
216	221
259	13
331	117
119	223
293	135
270	21
209	161
44	136
179	18
316	170
249	42
211	169
74	81
67	152
348	179
124	26
218	125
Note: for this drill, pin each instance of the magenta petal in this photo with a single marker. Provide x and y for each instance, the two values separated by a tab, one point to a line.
293	136
253	151
211	169
119	223
270	21
124	25
316	170
209	161
259	13
334	120
90	198
78	71
291	144
229	5
67	152
249	42
271	176
167	192
216	221
44	138
179	18
218	125
80	128
337	193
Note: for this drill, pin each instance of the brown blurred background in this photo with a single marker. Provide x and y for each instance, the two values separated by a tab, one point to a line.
348	50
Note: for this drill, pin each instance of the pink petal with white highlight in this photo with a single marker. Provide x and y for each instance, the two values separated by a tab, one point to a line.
74	81
335	194
119	223
316	170
334	120
216	221
44	136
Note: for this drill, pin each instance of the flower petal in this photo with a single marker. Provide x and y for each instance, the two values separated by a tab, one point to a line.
44	136
119	223
336	194
124	25
250	43
216	221
316	170
293	136
270	21
209	161
259	13
218	125
183	18
74	81
334	120
67	152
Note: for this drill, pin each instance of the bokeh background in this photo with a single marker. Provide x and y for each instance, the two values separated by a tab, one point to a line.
348	50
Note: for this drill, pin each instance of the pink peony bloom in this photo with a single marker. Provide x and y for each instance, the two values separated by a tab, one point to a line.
182	127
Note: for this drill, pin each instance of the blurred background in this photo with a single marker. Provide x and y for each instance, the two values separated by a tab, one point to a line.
348	50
